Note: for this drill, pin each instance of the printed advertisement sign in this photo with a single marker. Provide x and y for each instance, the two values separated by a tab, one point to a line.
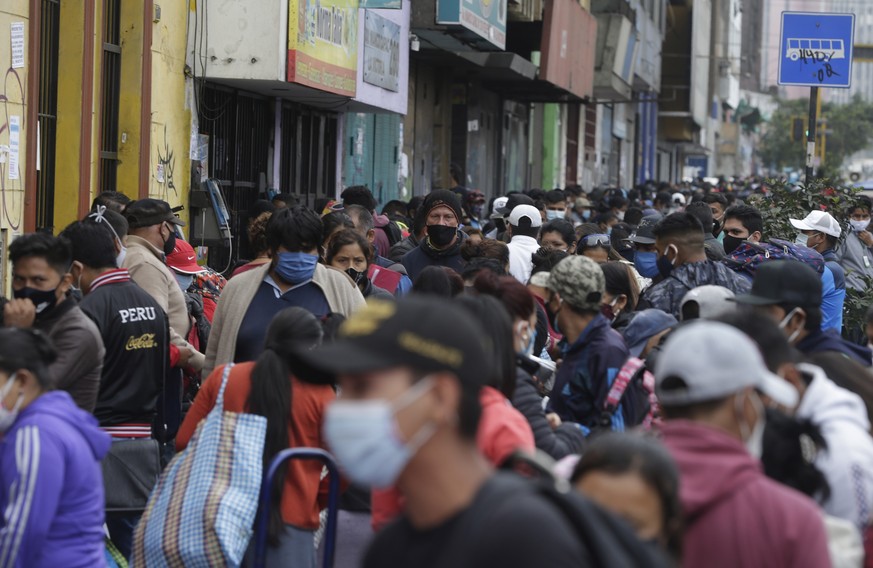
486	18
323	44
384	4
381	52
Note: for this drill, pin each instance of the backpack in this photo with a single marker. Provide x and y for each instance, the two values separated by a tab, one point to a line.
748	256
393	232
609	542
632	392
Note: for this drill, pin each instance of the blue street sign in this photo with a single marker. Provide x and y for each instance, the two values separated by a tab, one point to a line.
816	49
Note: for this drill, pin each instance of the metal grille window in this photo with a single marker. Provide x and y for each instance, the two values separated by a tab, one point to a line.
111	79
47	112
309	146
239	127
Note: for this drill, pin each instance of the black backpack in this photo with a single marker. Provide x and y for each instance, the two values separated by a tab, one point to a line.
609	542
393	232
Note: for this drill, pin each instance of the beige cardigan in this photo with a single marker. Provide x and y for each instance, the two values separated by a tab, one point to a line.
342	296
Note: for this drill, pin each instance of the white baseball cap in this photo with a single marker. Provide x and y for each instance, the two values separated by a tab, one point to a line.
526	211
499	203
821	221
713	360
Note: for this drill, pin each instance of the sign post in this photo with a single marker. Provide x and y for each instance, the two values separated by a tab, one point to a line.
815	51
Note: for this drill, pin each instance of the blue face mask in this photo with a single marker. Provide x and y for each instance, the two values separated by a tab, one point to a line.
646	263
184	280
586	214
551	214
295	267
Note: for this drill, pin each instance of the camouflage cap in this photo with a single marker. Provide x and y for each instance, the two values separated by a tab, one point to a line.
580	282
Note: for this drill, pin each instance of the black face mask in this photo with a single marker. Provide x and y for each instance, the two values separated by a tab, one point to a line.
355	275
441	236
170	243
44	300
731	243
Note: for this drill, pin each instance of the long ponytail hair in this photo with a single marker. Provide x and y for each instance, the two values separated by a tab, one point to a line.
292	330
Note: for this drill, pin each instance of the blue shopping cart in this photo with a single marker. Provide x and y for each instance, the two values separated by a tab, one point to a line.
261	520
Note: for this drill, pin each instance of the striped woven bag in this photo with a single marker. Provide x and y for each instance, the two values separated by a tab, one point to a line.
203	508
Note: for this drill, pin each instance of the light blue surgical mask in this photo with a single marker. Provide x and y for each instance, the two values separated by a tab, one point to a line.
646	263
295	267
184	280
552	214
802	240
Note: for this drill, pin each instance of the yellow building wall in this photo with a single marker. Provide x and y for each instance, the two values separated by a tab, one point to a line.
169	154
13	89
69	139
130	97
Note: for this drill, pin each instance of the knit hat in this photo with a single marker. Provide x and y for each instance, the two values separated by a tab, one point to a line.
441	198
580	282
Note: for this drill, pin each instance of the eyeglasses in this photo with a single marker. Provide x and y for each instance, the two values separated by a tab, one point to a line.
596	241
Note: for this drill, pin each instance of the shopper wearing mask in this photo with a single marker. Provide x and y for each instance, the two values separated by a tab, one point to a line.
524	227
714	426
645	251
840	415
821	232
151	238
51	488
441	213
551	436
741	223
856	251
790	293
350	252
682	263
621	295
41	282
717	205
293	277
410	374
556	205
593	352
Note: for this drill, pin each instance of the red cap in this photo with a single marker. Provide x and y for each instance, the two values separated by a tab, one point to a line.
183	258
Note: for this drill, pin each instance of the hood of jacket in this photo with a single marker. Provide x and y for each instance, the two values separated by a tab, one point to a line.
705	272
824	401
60	405
819	341
712	464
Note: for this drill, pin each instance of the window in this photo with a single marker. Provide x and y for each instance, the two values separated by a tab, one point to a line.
111	86
47	113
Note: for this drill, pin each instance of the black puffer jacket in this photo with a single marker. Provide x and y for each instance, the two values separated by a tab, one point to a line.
567	439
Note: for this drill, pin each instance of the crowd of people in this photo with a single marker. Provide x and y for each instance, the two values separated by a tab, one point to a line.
548	378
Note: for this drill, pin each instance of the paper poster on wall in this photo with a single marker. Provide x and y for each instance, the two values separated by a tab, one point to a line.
17	35
381	52
14	138
323	45
384	4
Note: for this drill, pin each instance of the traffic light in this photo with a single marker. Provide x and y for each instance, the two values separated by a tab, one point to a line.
798	129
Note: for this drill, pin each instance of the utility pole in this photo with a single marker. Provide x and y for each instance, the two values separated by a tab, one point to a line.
814	103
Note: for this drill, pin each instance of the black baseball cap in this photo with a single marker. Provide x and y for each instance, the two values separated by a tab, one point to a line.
644	233
424	333
789	282
513	200
148	212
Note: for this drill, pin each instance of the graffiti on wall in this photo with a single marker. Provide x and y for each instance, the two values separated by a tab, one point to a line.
11	190
166	166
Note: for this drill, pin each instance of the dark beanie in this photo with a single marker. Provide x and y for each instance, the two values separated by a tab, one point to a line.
441	197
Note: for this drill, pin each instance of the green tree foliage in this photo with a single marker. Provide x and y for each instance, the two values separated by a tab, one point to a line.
851	127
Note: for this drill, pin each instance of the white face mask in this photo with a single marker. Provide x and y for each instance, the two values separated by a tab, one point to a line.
802	239
754	439
119	260
8	417
784	323
365	438
620	215
859	226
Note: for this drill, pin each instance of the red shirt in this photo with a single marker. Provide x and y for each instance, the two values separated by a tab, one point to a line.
300	496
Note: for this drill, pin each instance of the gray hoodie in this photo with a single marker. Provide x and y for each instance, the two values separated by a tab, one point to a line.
856	258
